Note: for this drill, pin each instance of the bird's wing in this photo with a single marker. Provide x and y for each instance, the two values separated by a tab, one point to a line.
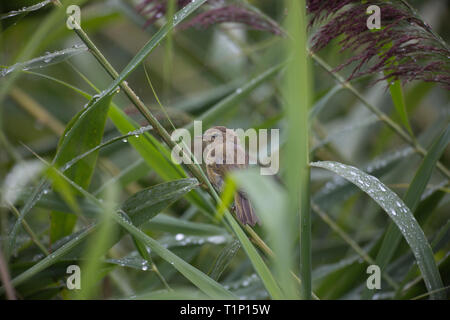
244	210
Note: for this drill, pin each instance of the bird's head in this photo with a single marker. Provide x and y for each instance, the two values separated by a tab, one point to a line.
226	135
214	133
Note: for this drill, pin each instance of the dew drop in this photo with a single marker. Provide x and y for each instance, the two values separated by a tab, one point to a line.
179	237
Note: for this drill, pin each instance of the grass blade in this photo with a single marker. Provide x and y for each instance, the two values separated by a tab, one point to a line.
399	213
258	263
268	198
48	59
83	133
98	244
198	278
224	259
231	100
298	95
412	198
81	236
396	90
151	44
144	205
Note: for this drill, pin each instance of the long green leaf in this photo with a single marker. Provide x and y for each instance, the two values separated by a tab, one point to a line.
145	204
151	150
154	154
224	259
83	133
297	93
258	263
198	278
167	223
98	244
412	198
268	198
223	106
29	50
323	102
151	44
79	237
399	213
398	99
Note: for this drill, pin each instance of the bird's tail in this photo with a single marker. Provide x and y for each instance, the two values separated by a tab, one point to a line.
244	209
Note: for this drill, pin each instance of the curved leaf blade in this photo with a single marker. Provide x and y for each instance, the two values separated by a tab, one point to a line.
145	204
412	198
84	133
197	277
402	216
224	259
79	237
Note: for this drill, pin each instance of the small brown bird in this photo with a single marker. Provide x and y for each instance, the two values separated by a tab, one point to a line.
224	153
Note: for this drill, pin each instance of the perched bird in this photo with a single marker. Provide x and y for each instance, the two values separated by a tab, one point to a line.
224	153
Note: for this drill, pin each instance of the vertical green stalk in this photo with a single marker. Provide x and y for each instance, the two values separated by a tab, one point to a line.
168	56
91	269
297	95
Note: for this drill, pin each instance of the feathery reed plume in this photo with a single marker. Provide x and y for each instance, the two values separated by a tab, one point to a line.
218	11
405	47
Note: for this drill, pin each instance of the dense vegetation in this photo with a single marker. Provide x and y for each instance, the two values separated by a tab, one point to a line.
87	178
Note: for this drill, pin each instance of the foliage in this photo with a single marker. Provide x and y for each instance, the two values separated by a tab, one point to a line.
87	178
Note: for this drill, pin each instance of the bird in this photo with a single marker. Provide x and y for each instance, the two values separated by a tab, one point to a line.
223	145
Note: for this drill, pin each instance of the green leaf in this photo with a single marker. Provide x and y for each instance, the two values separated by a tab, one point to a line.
24	10
151	44
145	204
323	102
31	47
96	247
83	133
45	60
399	213
78	238
423	175
154	154
412	198
133	262
182	240
150	149
223	106
177	294
198	278
224	259
258	263
267	197
298	96
398	99
339	190
167	223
